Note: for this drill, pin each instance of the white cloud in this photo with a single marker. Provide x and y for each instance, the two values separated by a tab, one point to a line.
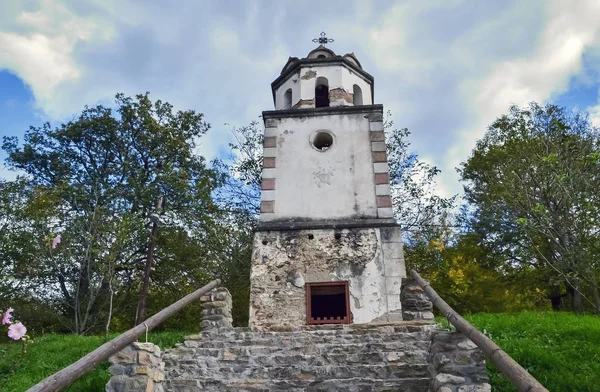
569	31
445	68
40	52
451	68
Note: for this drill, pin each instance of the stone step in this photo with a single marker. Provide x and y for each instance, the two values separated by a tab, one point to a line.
390	371
243	333
417	384
231	352
306	339
225	359
262	345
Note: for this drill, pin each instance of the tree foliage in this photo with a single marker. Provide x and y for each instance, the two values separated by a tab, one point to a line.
417	206
95	181
532	183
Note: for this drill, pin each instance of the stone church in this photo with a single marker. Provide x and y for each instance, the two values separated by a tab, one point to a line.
327	250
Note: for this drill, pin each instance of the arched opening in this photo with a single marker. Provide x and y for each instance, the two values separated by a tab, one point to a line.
287	99
357	95
321	56
321	93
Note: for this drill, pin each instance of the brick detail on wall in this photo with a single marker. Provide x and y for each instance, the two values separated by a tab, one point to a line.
384	201
270	142
269	152
271	131
376	118
376	126
269	173
267	207
268	163
385	212
382	178
377	136
379	156
380	167
382	190
378	146
267	195
268	184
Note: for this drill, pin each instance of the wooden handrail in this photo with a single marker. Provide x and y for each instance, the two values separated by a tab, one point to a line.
517	375
68	375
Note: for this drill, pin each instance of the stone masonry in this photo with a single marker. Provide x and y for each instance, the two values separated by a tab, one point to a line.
416	305
137	368
457	364
369	259
350	358
411	356
216	310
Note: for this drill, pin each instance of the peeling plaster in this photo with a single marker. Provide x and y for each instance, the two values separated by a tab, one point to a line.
277	294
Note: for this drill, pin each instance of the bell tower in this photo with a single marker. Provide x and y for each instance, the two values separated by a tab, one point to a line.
327	249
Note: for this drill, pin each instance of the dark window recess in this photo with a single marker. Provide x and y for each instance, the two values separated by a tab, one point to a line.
321	96
328	303
323	141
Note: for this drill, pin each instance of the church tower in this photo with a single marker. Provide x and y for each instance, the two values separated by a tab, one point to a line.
327	249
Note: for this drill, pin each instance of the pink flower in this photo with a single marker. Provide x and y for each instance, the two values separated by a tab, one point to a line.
55	241
7	316
17	331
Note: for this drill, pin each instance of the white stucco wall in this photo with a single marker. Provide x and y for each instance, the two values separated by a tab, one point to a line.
333	184
338	76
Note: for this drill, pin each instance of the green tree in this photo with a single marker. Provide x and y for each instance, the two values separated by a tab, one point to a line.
96	181
417	206
532	183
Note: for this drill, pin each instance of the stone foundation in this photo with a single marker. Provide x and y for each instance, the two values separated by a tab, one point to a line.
138	367
456	364
370	259
216	310
416	304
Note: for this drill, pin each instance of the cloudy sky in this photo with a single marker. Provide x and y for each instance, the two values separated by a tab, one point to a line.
445	68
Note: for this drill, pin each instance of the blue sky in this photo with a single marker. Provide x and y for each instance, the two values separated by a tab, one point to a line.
446	69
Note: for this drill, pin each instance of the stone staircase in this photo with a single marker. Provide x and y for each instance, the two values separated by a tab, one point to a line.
410	356
391	357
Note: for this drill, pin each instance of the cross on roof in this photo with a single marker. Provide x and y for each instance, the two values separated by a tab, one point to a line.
323	40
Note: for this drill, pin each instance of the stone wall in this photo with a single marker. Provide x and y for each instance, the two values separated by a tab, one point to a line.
416	304
216	310
370	259
138	367
456	364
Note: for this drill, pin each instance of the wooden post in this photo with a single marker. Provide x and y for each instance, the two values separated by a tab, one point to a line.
66	376
518	376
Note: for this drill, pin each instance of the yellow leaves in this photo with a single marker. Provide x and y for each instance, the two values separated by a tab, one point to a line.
437	244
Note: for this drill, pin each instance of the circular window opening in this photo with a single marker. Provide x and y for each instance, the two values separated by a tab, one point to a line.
323	141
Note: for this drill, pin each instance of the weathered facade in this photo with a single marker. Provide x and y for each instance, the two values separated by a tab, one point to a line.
326	209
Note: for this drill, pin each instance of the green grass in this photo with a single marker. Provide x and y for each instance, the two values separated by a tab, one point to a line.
561	350
52	352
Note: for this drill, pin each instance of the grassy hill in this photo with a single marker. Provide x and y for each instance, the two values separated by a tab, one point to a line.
561	350
52	352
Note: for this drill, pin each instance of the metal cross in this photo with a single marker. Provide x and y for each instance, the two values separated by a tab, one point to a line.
323	40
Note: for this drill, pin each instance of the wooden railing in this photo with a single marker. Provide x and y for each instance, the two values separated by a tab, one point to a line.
68	375
516	374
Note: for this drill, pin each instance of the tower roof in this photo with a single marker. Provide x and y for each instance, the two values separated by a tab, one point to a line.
321	56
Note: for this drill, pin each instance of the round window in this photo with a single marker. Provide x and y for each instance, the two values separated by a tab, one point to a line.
322	141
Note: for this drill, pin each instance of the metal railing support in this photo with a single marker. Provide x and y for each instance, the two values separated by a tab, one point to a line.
517	375
68	375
